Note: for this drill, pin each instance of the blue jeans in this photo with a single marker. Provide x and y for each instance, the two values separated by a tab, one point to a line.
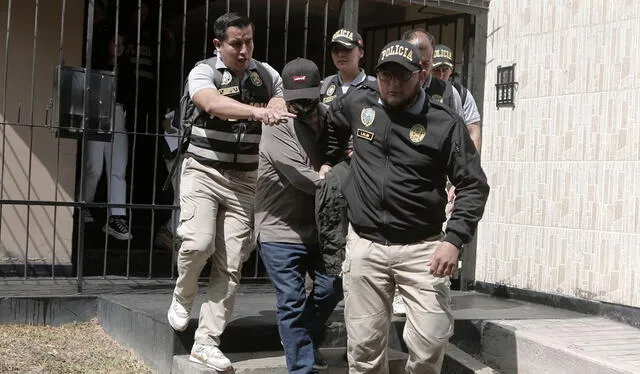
301	318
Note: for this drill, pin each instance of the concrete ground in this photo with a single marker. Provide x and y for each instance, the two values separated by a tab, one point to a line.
510	335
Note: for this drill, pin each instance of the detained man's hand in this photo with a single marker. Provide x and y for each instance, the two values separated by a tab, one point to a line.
324	169
445	260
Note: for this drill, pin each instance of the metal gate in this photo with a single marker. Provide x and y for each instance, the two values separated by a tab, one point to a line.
49	226
453	31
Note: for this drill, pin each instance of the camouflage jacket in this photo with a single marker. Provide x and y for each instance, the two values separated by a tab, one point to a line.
331	218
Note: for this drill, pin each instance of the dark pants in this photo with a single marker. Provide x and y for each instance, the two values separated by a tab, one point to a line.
301	318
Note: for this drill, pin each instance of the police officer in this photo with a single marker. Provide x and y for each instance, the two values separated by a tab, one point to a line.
437	89
405	148
347	48
443	68
218	180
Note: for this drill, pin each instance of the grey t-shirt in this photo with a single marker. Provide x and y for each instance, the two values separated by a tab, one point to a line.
289	160
202	75
471	113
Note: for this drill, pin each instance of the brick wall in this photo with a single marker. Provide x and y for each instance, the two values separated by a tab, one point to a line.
564	164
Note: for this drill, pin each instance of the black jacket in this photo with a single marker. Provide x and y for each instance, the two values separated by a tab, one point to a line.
396	189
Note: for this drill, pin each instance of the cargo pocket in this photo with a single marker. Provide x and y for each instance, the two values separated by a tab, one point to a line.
345	273
185	228
435	303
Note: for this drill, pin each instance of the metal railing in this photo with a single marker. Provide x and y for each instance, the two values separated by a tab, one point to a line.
95	253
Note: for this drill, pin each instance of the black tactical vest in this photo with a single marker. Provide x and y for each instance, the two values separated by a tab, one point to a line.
332	88
440	91
232	144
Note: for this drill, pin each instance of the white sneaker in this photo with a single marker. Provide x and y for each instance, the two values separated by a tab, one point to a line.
179	315
210	356
399	309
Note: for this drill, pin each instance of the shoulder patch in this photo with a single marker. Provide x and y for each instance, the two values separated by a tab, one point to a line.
367	116
255	78
331	90
226	77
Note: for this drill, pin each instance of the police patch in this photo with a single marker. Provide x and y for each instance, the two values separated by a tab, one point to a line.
331	90
364	134
226	77
227	91
328	99
367	116
437	98
255	79
417	133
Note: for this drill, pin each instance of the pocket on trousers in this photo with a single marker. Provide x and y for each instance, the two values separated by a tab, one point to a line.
440	321
185	229
187	212
345	273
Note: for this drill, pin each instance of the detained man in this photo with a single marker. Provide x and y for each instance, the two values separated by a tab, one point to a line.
290	157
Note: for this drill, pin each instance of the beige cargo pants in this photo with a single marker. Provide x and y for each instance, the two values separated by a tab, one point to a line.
370	273
216	220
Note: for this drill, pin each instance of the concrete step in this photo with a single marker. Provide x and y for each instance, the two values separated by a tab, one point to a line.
140	322
457	361
581	345
273	362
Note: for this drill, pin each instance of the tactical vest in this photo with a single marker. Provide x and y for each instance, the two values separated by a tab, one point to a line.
332	88
232	144
462	91
441	91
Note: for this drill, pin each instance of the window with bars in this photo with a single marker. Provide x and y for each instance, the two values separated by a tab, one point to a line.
506	86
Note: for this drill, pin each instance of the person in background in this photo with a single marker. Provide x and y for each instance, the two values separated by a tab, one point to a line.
115	153
443	67
347	49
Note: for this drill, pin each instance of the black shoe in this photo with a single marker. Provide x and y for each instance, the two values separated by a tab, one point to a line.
320	363
118	228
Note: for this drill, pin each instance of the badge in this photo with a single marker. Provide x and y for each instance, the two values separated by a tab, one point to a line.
331	90
328	99
437	98
228	91
367	116
364	134
417	133
255	79
226	77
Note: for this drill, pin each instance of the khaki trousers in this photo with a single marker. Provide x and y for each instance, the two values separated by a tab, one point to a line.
371	272
216	220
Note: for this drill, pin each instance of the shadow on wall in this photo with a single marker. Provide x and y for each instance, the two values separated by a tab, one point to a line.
35	165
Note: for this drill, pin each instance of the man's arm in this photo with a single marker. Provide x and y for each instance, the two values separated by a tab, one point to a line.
476	134
338	132
472	120
457	102
206	97
277	101
464	171
280	145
